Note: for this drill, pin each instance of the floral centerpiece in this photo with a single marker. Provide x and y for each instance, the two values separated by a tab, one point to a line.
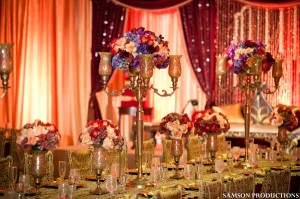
240	56
102	133
215	122
38	136
176	125
284	116
126	49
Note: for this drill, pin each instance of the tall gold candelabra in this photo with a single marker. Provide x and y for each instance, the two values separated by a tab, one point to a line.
249	82
139	84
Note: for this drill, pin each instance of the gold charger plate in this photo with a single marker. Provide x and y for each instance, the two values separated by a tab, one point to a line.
54	184
30	192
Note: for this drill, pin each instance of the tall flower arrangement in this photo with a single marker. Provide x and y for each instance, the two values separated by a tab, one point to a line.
176	125
135	42
284	116
211	123
102	133
38	136
240	56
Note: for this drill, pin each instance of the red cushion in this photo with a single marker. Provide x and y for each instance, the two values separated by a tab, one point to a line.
131	103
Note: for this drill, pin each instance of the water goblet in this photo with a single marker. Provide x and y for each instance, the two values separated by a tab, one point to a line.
163	168
188	171
273	156
13	175
63	190
122	182
75	175
146	162
111	184
25	179
219	166
236	152
230	164
62	167
154	175
72	189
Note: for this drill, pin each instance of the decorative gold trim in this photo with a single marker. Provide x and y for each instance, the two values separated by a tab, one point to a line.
137	8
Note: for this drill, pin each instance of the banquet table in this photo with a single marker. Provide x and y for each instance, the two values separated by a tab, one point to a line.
189	188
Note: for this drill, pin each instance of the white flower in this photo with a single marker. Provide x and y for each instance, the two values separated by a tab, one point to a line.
110	132
86	138
108	143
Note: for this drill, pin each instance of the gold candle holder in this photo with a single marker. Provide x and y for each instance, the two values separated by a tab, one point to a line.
139	84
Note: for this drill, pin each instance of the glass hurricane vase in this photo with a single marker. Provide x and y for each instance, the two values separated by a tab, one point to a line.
212	147
38	169
177	151
98	159
282	138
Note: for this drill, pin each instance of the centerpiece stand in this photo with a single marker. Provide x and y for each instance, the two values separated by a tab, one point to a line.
139	84
249	81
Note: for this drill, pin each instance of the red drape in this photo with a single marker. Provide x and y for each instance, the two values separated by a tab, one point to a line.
199	26
108	21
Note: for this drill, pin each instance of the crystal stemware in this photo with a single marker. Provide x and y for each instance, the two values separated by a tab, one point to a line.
111	184
236	153
188	171
13	176
62	167
25	179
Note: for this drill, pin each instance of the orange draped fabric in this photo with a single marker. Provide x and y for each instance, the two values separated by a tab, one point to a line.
51	56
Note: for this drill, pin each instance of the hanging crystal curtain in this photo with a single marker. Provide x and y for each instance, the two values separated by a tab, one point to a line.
276	25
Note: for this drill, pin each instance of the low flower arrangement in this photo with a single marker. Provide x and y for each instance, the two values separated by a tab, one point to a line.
102	133
240	56
284	116
126	49
38	136
215	122
176	125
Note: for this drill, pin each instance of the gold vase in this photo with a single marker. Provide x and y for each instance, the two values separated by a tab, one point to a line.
212	147
38	168
177	151
99	160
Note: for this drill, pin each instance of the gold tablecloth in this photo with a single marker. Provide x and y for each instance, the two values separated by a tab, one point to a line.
189	187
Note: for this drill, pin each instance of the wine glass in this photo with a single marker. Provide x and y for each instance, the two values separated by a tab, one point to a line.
114	169
111	184
219	166
63	190
62	167
74	176
13	176
155	175
146	162
122	181
188	171
230	164
236	152
25	179
273	156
